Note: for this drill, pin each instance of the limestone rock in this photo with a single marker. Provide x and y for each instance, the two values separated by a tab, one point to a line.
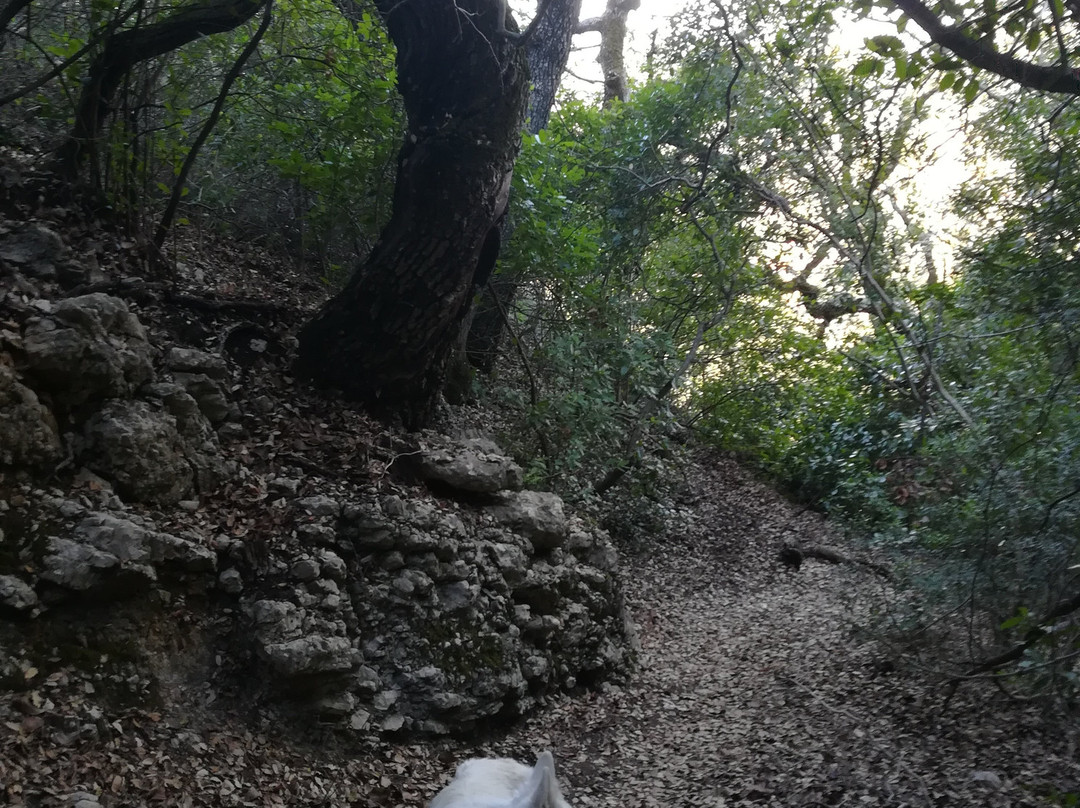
204	376
85	569
312	655
536	515
139	449
17	596
189	360
36	249
28	431
469	467
87	349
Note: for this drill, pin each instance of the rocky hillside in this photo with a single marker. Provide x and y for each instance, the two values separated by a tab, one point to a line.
187	534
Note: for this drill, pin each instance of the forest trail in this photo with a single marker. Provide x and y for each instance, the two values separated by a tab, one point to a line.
756	689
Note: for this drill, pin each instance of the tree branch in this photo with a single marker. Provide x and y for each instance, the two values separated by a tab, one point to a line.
981	54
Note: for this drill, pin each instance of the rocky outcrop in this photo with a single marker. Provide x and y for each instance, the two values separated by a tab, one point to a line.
376	611
86	371
86	349
106	557
435	620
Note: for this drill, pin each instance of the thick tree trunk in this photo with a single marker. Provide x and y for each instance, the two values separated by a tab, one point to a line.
547	52
384	339
128	48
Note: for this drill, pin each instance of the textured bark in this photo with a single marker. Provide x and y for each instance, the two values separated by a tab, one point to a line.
128	48
548	50
384	339
547	53
612	28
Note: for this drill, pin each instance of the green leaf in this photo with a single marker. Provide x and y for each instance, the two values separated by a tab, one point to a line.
866	66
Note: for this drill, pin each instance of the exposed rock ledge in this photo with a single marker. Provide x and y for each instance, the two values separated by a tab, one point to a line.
374	611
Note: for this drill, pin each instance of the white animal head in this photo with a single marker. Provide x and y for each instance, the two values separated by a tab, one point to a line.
502	783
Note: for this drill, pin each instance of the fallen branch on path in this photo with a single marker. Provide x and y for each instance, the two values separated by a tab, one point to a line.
792	556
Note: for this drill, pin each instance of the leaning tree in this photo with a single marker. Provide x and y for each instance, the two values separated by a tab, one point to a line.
384	339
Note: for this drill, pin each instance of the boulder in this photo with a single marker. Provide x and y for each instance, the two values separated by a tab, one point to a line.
470	467
139	448
28	433
536	515
36	250
87	349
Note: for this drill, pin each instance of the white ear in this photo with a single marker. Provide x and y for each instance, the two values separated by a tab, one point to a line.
538	791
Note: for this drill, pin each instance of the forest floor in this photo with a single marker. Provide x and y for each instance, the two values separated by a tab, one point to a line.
758	685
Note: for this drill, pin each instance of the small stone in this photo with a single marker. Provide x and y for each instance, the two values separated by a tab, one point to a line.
333	566
231	582
359	720
306	569
16	595
385	699
284	486
392	723
320	505
988	780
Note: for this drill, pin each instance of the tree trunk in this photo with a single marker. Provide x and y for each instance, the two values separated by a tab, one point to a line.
128	48
547	53
384	339
612	28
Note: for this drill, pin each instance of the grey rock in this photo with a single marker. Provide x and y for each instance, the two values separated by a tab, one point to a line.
283	486
470	469
139	448
320	506
190	360
336	706
231	582
367	680
412	583
990	781
456	596
511	561
359	720
332	565
35	249
212	399
536	515
305	569
81	568
276	620
87	349
16	595
306	656
385	699
131	542
28	433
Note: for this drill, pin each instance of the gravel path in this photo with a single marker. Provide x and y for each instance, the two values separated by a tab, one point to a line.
755	688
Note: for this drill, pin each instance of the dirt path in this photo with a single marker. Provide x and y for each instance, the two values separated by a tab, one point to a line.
754	689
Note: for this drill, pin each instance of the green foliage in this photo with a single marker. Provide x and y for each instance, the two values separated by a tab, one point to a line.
305	152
